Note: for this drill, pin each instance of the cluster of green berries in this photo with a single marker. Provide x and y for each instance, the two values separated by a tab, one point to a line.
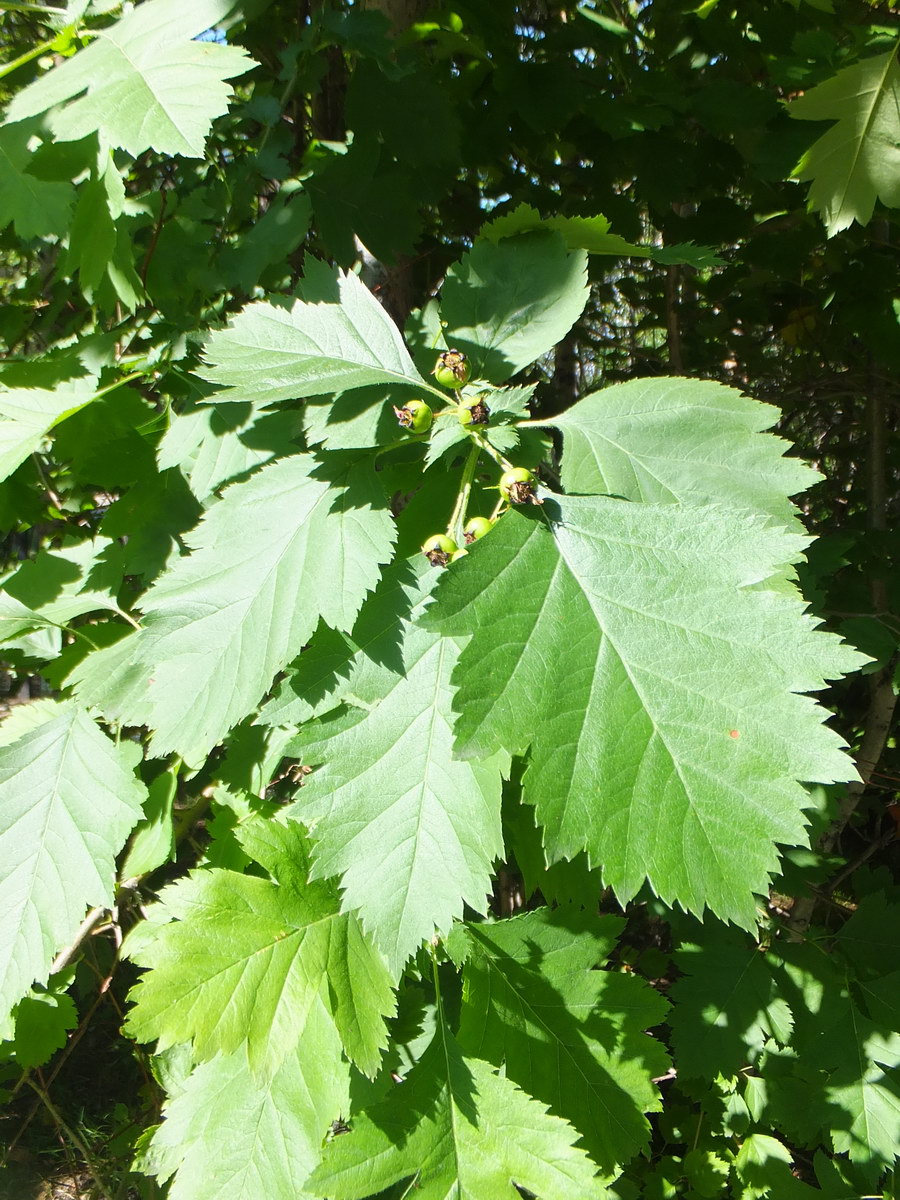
440	549
517	485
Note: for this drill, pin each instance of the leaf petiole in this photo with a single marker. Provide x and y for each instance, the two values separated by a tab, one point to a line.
485	445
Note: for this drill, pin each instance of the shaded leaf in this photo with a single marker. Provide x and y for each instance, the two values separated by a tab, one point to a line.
858	160
569	1035
726	1005
43	1021
454	1128
506	303
36	207
213	445
412	832
28	414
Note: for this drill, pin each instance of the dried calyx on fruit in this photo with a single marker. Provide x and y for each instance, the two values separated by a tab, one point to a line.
439	549
452	369
476	528
415	416
517	486
473	411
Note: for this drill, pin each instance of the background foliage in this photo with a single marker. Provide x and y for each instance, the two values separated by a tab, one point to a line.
179	183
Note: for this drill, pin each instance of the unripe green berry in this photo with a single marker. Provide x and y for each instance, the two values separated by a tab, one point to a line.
460	553
476	528
517	485
452	369
473	411
439	549
415	416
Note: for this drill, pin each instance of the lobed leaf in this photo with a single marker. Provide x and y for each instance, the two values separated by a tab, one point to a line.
569	1035
270	353
454	1128
238	959
680	441
412	832
28	414
36	207
227	1132
67	802
507	303
144	84
626	647
727	1005
277	553
858	160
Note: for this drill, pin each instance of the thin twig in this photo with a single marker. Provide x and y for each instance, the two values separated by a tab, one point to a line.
85	929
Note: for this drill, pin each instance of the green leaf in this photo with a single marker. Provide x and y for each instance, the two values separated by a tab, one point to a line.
316	685
96	250
244	959
278	552
680	441
28	414
726	1005
454	1128
228	1133
144	83
36	207
43	1021
706	1172
412	832
26	717
507	303
763	1165
67	802
17	619
858	160
215	444
848	1068
606	23
270	353
67	581
701	258
656	686
580	233
358	419
593	234
569	1035
866	1087
871	938
151	520
153	842
336	666
275	236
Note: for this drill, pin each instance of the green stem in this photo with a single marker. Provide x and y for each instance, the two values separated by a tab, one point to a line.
111	387
489	449
498	508
457	520
34	52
